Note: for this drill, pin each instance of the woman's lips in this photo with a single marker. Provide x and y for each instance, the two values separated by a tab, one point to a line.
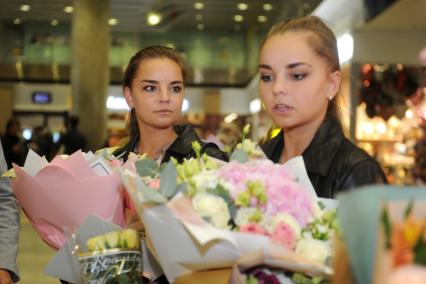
282	109
163	111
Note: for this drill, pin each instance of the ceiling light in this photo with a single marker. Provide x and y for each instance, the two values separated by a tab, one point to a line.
199	5
69	9
17	21
54	22
112	21
267	7
238	18
242	6
261	18
25	8
153	19
200	27
198	17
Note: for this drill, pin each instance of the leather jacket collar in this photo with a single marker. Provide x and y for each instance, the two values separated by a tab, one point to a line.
181	147
320	153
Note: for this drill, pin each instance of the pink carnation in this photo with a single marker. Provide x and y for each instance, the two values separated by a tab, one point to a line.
253	228
284	235
283	192
154	184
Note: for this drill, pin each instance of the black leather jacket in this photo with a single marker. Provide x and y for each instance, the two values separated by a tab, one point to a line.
181	148
333	163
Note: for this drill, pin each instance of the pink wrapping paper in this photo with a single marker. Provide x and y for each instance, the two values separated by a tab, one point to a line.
65	193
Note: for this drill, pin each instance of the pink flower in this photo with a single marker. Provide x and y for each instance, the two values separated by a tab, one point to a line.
116	163
253	228
154	184
284	235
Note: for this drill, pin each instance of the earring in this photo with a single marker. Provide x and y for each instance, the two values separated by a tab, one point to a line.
330	98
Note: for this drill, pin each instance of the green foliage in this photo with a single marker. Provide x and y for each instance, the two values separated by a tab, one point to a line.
146	167
387	227
239	155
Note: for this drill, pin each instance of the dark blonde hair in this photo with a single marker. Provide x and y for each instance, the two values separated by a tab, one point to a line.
149	52
321	39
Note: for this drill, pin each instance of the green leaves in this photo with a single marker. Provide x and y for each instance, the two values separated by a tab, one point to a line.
149	194
387	227
239	155
168	180
146	167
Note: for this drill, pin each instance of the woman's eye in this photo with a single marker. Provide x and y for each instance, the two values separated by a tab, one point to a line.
176	89
298	77
149	88
266	78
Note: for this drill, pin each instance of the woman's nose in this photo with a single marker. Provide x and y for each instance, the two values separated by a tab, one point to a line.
279	86
164	95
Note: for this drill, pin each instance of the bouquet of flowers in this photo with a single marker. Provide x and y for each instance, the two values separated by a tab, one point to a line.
113	257
405	246
67	190
214	212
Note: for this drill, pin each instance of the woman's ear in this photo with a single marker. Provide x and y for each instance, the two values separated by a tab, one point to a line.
334	84
128	97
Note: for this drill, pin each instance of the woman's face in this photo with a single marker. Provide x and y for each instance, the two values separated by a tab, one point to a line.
156	92
295	82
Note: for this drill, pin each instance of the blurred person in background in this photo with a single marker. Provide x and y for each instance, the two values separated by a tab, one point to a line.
73	139
14	145
299	84
42	142
9	228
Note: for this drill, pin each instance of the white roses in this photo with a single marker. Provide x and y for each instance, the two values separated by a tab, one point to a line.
212	208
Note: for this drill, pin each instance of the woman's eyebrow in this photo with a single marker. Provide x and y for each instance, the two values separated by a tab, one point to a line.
149	81
296	64
265	66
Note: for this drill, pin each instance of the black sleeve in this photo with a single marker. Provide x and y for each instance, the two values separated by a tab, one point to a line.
366	172
214	151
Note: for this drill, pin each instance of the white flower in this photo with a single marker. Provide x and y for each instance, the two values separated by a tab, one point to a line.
289	220
315	250
243	215
204	180
212	208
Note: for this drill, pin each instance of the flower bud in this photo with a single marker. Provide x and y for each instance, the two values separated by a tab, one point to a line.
130	239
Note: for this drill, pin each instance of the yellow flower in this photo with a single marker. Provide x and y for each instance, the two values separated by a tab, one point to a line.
411	230
96	243
130	239
113	239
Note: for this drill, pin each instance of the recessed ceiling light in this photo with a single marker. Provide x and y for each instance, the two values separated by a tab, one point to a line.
199	5
267	7
261	18
242	6
25	8
17	21
198	17
200	27
238	18
153	19
112	21
69	9
54	22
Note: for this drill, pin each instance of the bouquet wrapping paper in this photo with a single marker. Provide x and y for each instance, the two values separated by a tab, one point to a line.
65	192
183	242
